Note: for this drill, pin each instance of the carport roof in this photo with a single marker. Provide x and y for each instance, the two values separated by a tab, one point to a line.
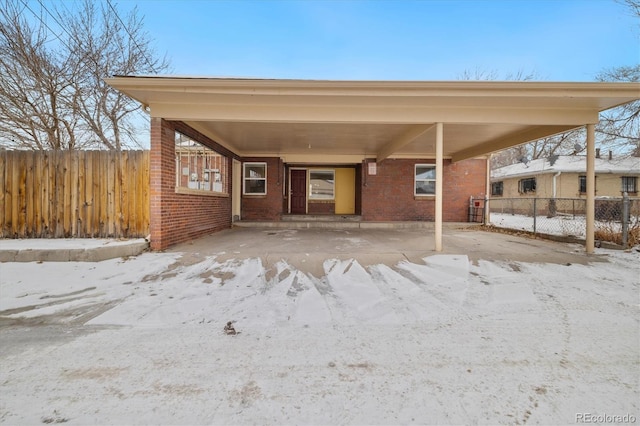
346	121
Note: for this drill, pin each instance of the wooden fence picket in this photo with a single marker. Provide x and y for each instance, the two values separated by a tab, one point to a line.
55	194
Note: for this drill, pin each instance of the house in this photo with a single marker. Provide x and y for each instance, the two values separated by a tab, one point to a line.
565	176
379	150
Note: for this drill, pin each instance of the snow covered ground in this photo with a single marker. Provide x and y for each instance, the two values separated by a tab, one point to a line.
559	225
442	341
574	226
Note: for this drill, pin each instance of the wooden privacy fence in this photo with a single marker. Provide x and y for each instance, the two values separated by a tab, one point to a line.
54	194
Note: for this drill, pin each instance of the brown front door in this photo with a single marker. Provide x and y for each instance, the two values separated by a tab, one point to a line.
298	191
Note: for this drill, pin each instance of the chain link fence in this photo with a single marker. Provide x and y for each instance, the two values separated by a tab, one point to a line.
617	220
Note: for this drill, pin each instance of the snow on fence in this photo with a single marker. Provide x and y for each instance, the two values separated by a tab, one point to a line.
617	220
54	194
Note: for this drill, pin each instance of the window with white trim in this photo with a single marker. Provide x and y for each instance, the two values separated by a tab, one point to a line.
199	167
254	178
321	184
425	179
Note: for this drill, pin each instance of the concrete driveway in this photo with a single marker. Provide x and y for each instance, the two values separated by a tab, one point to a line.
307	249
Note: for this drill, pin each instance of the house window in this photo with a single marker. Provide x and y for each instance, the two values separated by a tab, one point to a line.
198	167
582	182
629	184
255	178
527	185
321	184
425	179
497	188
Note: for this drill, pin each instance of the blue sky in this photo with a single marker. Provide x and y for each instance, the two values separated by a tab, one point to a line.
559	40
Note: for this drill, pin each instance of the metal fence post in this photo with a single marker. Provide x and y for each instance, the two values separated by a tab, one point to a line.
625	219
486	213
535	211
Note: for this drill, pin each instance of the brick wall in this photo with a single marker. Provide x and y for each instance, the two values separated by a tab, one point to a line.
265	207
179	217
462	180
388	195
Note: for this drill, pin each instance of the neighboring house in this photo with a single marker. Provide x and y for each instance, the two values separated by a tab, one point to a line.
565	176
384	151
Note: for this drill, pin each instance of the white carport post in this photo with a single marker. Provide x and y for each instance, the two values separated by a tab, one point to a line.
591	186
439	155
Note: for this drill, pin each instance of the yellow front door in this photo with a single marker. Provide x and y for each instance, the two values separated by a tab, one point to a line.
345	191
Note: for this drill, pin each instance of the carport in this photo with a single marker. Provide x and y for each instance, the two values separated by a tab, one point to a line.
359	122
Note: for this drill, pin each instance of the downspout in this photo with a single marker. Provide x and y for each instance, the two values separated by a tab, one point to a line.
553	208
554	183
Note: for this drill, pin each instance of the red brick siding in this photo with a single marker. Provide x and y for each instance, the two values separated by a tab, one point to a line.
177	217
388	195
462	180
265	207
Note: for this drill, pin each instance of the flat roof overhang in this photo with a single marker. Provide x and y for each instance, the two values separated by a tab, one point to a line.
347	121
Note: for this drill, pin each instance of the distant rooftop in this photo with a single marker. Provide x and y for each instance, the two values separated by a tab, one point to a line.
568	164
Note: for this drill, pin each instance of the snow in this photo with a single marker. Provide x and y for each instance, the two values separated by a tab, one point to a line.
444	340
63	243
569	225
568	164
575	226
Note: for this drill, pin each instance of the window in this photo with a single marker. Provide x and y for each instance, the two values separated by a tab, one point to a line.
255	178
321	184
198	167
629	184
425	179
527	185
582	183
496	188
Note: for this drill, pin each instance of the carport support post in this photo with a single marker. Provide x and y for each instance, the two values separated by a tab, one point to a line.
591	186
439	155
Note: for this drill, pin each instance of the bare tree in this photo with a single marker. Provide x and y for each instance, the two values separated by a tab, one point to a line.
619	128
481	74
568	143
52	92
104	45
558	144
617	131
633	6
34	84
